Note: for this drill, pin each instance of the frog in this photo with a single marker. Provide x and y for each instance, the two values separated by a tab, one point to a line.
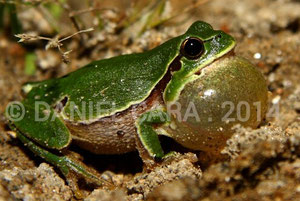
124	103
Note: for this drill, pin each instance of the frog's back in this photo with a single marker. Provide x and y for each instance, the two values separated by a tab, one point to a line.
112	85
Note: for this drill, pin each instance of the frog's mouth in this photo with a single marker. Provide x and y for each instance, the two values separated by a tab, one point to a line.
231	53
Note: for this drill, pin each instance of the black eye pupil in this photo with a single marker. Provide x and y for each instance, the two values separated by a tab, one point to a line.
192	48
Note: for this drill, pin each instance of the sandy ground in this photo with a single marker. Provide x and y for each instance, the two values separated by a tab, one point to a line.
262	164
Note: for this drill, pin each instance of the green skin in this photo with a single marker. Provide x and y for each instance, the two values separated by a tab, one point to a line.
125	80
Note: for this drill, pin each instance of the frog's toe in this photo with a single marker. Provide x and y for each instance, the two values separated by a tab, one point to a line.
170	155
74	169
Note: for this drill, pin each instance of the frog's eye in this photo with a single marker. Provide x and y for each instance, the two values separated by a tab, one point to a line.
192	48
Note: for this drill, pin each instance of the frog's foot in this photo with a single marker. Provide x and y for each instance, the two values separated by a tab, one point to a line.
151	163
148	143
170	155
71	168
47	138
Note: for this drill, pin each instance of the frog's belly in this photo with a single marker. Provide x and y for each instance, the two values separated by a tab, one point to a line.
115	134
106	136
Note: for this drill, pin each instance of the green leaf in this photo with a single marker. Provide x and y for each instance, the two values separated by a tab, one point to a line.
30	66
55	9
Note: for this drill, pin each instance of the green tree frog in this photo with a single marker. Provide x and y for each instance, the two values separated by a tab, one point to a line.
192	88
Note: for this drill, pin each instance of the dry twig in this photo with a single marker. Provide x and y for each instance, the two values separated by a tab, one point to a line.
53	42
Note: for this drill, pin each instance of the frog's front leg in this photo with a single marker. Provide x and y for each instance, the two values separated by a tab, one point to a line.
147	136
45	137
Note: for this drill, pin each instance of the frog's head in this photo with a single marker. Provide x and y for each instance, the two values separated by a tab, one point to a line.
212	90
199	47
202	44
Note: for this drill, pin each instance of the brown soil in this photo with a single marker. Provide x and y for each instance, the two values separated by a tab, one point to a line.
262	164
